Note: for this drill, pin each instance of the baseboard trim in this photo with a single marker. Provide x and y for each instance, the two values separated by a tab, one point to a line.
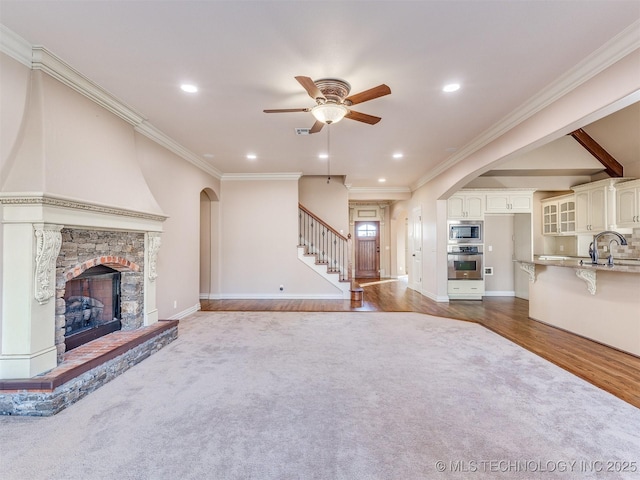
185	313
499	293
270	296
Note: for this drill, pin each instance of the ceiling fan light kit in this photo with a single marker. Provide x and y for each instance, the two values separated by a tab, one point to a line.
329	112
333	102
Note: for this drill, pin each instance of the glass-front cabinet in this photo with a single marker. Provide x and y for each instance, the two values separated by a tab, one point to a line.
550	218
567	223
559	215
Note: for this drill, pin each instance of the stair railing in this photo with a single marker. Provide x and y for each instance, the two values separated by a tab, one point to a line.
329	246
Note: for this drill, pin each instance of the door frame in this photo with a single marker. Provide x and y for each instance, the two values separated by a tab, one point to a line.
357	248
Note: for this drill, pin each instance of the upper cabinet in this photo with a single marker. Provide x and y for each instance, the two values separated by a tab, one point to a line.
473	204
509	202
559	215
628	204
596	205
466	206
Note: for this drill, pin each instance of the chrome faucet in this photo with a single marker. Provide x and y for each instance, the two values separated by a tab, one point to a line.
593	246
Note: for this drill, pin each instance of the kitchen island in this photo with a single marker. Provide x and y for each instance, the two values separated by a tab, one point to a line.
599	302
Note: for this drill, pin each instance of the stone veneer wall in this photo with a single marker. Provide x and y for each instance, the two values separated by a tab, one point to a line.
122	251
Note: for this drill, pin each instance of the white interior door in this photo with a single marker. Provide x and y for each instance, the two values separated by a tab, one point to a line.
415	241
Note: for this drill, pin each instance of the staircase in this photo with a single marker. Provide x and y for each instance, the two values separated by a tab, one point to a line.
325	250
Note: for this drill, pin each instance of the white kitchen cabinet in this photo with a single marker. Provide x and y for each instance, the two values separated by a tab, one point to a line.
628	204
559	215
595	205
509	202
466	206
550	217
567	215
465	289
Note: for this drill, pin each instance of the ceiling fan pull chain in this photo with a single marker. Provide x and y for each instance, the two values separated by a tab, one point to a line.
328	153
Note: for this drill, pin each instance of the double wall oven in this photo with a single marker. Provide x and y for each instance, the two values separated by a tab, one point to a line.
464	251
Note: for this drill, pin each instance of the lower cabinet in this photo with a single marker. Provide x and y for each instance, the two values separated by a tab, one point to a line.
465	289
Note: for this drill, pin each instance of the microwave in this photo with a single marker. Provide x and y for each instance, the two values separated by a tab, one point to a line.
465	231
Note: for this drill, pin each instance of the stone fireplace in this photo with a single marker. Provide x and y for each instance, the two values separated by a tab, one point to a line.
72	271
99	285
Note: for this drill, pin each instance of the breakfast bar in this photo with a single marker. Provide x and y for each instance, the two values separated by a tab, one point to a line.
600	302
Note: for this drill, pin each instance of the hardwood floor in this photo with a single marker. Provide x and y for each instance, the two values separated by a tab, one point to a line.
612	370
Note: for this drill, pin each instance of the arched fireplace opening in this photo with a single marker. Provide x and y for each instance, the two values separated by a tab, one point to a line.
92	305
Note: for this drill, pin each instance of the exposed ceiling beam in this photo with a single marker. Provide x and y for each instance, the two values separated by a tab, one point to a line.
611	165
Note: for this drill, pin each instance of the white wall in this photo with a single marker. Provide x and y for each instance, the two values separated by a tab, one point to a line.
498	253
398	215
176	184
259	237
328	201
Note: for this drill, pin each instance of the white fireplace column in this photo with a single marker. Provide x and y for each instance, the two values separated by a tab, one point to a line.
28	305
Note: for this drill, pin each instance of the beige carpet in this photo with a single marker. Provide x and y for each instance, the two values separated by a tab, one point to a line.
253	395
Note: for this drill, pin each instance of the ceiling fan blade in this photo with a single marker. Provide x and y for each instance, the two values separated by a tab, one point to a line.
310	87
316	127
287	110
362	117
375	92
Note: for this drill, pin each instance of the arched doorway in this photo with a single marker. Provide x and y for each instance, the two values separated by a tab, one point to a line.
209	215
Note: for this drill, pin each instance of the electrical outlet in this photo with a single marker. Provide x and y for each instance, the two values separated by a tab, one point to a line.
175	304
562	248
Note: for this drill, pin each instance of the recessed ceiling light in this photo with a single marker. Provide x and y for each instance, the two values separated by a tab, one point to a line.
323	156
452	87
382	180
397	155
189	88
251	156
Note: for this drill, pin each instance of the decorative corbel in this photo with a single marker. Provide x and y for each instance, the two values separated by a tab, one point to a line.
48	243
530	268
154	247
589	276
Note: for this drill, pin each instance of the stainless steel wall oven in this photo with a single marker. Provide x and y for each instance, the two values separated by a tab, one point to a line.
464	262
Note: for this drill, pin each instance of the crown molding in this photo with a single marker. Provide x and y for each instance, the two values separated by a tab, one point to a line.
378	190
235	177
15	46
57	68
611	52
151	132
39	58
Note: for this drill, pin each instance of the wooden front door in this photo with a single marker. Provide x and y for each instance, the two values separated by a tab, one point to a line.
367	251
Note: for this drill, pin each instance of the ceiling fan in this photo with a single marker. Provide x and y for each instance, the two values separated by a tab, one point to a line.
332	102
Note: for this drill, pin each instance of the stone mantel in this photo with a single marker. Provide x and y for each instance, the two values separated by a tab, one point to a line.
31	224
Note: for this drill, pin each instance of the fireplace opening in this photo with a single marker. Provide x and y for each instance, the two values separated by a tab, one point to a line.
92	306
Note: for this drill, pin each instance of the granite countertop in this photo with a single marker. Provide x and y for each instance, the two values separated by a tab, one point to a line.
619	265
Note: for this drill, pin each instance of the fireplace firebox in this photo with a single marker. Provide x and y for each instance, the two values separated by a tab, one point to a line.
92	305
